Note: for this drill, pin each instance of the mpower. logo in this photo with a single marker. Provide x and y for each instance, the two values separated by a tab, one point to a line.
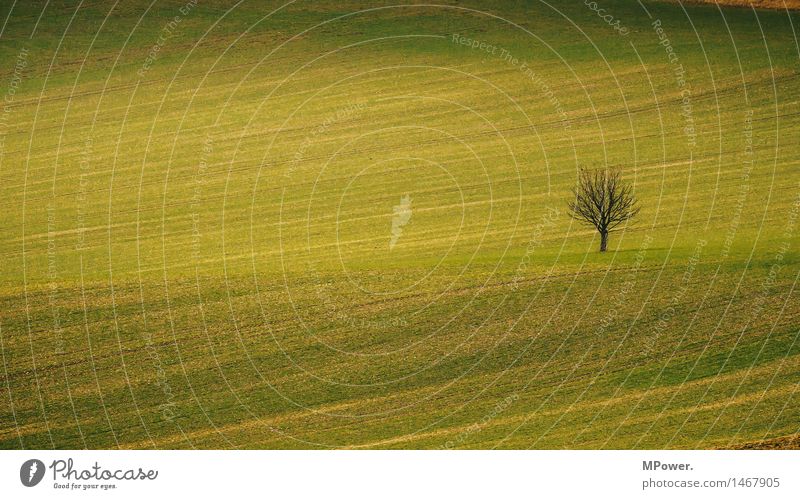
31	472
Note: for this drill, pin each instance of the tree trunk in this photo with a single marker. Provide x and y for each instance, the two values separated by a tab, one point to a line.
603	241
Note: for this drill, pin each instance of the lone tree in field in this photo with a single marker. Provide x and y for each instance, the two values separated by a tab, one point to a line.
603	201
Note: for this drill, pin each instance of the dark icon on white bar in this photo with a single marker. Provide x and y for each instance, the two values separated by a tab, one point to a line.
31	472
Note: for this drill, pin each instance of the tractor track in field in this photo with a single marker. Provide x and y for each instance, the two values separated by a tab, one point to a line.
547	386
220	197
733	87
275	325
249	166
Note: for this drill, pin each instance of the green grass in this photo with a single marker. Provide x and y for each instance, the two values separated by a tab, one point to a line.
199	255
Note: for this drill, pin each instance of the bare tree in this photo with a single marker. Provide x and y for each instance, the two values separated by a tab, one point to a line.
602	200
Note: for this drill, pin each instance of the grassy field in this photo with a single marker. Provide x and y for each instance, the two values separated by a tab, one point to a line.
343	224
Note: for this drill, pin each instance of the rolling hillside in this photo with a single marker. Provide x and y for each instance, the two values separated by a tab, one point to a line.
343	224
